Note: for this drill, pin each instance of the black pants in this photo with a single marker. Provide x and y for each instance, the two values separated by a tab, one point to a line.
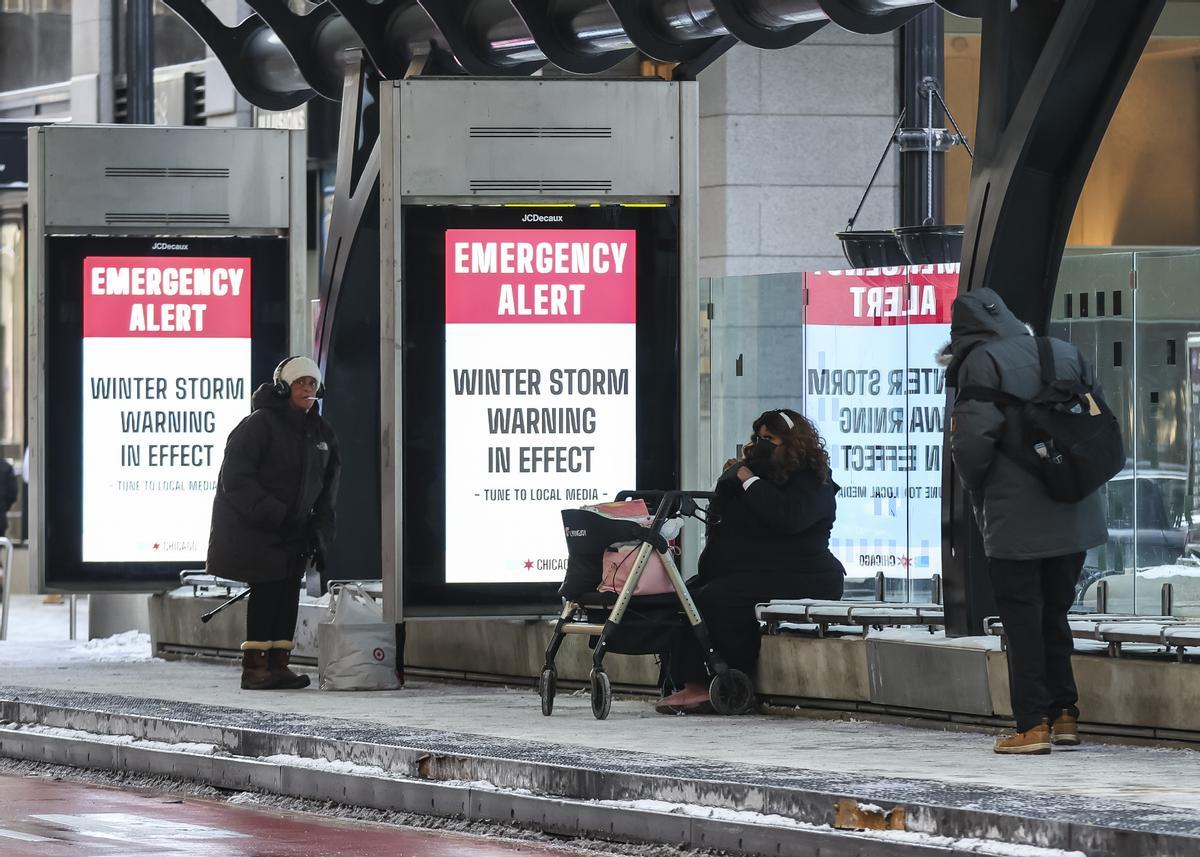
271	610
727	605
1033	597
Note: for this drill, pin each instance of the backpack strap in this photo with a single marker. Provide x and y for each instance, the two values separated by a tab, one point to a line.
1046	361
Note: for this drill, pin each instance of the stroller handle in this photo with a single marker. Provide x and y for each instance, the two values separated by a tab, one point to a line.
670	502
657	494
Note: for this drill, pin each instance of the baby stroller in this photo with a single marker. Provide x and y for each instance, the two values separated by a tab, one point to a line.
625	623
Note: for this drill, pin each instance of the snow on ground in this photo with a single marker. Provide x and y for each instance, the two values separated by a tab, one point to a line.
983	847
80	735
1161	571
39	633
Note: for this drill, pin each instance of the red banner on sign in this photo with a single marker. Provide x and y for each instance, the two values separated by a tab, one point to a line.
881	297
541	276
166	296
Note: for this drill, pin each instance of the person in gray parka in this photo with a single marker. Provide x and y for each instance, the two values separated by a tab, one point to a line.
1035	545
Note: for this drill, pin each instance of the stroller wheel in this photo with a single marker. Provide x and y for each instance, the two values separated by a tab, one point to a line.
731	692
601	694
547	686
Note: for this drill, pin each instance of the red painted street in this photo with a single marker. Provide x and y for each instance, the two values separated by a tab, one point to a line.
43	818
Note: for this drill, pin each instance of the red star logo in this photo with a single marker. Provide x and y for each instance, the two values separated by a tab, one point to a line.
905	561
155	546
528	564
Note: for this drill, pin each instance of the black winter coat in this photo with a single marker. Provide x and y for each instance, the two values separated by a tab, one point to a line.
276	493
771	528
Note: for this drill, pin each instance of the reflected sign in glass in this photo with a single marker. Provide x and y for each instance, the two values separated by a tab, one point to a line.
541	408
877	395
166	377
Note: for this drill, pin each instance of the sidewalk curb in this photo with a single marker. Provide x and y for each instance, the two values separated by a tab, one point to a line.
427	770
551	815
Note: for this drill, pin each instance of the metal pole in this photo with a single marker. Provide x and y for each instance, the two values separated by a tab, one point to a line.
74	615
7	589
922	57
1166	596
930	85
139	62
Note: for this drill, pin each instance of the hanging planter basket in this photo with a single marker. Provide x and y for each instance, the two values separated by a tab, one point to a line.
872	249
930	243
933	244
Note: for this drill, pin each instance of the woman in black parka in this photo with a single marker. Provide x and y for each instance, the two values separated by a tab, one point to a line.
773	511
274	510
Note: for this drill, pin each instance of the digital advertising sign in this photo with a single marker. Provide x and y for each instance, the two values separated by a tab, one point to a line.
541	392
152	349
540	374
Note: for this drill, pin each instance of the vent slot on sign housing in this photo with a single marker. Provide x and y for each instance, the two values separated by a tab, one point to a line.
163	218
166	172
532	132
542	185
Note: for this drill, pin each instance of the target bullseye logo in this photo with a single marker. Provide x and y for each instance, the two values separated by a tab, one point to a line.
377	654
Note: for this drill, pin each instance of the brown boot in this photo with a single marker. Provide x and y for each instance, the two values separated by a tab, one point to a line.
1031	742
256	672
1065	730
277	659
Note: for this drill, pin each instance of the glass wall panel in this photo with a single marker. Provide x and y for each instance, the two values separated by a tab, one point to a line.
1093	308
1167	320
757	357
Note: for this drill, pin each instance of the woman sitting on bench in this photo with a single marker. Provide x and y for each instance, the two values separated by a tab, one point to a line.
773	512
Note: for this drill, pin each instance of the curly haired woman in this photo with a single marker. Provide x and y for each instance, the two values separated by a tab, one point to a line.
774	509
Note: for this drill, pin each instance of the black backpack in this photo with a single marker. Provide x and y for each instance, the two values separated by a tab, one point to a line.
1066	435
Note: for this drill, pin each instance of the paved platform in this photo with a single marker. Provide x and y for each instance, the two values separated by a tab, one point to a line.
1100	795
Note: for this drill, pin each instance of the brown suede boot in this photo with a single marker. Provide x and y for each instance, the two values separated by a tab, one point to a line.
256	672
278	659
1031	742
1064	732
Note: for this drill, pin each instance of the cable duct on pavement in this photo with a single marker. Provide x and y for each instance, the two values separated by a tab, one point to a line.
279	59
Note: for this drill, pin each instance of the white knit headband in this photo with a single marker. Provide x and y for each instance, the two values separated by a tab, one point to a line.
786	419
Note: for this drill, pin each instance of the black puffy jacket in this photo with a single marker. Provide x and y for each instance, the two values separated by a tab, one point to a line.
771	528
276	492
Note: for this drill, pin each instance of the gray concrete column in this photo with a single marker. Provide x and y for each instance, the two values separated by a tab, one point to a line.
788	140
92	61
111	613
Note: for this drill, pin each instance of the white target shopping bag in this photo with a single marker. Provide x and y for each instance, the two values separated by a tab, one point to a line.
356	649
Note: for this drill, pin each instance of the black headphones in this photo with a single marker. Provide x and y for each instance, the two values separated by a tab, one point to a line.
282	388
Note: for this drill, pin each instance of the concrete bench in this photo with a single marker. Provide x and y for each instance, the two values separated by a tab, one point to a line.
861	614
1169	632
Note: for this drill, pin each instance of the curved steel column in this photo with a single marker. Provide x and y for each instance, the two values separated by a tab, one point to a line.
251	54
1051	76
299	35
393	34
277	58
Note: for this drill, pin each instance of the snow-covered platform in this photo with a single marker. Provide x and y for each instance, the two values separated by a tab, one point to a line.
487	751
